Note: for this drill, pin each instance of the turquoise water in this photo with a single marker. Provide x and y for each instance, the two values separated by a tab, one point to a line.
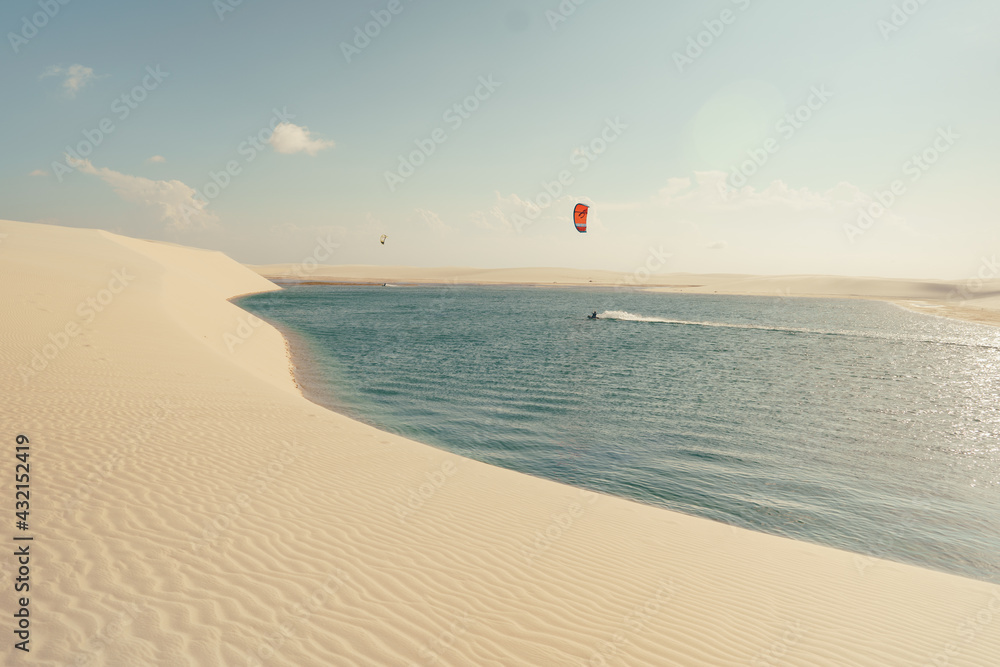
850	423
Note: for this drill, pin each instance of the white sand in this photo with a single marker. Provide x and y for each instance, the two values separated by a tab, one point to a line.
189	507
363	273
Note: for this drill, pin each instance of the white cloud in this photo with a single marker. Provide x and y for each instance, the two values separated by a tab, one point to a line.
39	172
709	191
292	229
291	138
75	77
433	220
512	213
707	198
157	158
704	197
175	201
718	245
285	228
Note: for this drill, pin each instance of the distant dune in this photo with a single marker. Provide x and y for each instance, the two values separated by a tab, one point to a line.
190	507
971	299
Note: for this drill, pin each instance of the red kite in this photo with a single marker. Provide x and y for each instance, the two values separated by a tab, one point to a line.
580	217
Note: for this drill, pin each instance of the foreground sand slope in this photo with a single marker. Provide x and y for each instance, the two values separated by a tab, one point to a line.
189	507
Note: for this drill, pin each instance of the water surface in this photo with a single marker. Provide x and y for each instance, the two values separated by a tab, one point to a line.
850	423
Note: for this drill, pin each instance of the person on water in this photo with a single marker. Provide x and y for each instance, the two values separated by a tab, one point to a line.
593	316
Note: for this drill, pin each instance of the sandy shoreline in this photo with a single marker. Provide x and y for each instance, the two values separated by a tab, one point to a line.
972	300
190	507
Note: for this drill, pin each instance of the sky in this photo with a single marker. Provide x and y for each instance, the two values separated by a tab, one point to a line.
730	136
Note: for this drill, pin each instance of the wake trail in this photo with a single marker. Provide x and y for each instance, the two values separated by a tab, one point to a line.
625	316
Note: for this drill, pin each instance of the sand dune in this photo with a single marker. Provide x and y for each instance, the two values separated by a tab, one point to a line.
361	273
190	507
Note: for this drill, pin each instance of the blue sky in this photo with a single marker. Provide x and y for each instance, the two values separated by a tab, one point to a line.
664	129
